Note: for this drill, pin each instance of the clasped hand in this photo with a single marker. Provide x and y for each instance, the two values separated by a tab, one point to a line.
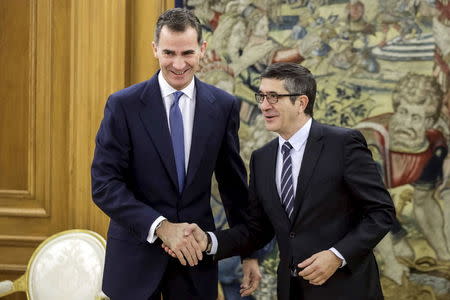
192	241
183	241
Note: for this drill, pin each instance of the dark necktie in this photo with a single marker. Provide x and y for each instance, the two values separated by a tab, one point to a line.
177	135
287	186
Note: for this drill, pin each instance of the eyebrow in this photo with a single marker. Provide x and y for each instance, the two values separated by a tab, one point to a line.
187	52
269	92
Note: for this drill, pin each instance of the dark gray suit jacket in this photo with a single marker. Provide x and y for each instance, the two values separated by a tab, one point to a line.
340	202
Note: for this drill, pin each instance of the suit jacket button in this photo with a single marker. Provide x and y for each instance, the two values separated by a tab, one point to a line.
292	235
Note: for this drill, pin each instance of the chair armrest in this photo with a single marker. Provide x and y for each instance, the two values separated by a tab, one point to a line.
101	296
6	287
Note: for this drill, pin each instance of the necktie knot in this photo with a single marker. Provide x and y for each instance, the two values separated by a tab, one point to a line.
286	149
176	96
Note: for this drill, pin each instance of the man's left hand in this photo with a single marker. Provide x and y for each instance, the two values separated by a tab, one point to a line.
319	267
252	276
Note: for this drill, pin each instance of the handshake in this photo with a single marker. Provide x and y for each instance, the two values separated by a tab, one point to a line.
183	241
187	242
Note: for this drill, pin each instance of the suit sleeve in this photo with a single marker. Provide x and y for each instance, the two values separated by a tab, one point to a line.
372	201
245	238
230	171
110	174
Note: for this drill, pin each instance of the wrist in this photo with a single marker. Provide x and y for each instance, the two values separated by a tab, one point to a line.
159	228
208	243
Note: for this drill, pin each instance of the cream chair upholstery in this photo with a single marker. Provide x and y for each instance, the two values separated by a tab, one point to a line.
67	265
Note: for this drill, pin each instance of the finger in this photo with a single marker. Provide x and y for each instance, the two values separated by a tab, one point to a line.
170	252
313	276
188	253
254	283
196	246
193	252
244	291
180	257
306	271
248	291
307	262
245	281
318	281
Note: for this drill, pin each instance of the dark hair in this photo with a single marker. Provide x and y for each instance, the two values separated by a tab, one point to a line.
297	80
178	20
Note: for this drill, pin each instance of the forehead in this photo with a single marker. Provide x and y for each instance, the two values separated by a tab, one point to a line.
272	85
170	38
411	107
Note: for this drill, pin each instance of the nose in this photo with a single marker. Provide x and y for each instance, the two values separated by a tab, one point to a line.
179	63
265	105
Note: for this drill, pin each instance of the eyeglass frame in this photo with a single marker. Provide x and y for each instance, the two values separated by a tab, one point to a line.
275	95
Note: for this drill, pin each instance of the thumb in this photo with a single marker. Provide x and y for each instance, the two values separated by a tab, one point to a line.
245	280
189	229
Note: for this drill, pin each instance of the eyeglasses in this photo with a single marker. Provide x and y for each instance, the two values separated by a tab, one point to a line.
272	98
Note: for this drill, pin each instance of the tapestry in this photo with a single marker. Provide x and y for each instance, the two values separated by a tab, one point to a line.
382	67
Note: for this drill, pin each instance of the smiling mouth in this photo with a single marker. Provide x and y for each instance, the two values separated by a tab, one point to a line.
179	73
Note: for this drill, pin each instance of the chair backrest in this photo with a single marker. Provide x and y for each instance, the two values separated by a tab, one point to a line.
68	265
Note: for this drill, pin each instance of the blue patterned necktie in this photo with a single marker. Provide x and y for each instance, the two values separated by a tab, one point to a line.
177	135
287	186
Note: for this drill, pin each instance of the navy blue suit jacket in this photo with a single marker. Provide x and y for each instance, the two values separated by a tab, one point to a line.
134	182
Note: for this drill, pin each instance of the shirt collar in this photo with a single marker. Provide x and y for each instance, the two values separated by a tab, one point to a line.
167	89
299	138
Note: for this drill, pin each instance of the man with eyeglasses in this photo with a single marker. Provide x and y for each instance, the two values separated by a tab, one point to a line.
318	190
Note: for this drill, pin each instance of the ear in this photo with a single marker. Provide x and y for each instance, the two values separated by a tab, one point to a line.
303	100
203	47
155	49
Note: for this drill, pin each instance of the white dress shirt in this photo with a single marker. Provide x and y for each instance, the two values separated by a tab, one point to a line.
187	107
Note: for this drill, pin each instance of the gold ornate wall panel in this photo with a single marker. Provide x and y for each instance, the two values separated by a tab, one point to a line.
98	68
32	175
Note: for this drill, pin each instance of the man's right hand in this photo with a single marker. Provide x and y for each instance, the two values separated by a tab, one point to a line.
191	231
184	245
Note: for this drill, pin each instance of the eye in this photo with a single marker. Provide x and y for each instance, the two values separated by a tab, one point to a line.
416	118
402	111
272	96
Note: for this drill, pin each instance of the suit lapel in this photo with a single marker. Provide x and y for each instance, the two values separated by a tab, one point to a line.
271	157
312	153
203	126
153	116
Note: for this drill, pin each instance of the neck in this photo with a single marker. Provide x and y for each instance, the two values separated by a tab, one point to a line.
297	126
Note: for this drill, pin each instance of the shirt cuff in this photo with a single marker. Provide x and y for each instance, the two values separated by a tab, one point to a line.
338	254
214	243
151	238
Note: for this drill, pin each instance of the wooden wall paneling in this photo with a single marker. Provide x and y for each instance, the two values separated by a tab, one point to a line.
60	60
143	16
98	44
31	211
